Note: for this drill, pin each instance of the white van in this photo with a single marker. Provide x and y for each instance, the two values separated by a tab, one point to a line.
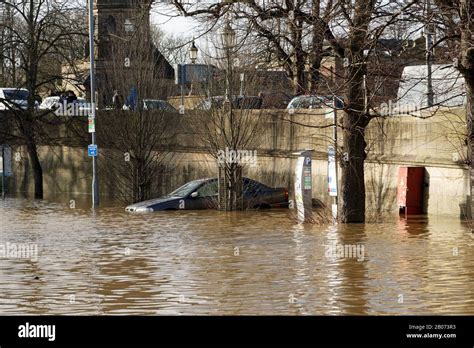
14	98
447	82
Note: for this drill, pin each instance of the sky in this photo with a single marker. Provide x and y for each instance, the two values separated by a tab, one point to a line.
164	16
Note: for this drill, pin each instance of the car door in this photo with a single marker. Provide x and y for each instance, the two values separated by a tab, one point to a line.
205	197
252	192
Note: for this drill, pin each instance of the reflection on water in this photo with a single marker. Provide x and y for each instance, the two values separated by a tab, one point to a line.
209	262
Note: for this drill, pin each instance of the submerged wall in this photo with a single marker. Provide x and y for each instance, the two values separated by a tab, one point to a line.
436	143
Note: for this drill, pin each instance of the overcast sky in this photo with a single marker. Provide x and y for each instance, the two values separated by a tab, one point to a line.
163	15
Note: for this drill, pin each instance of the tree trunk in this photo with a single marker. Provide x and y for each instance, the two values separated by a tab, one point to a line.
356	118
355	122
470	123
469	78
353	184
314	72
467	69
299	76
37	169
316	50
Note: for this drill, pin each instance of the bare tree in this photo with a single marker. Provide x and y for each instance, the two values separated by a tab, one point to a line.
39	37
228	126
458	21
288	34
143	133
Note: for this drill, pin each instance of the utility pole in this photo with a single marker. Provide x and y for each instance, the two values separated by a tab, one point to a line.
95	179
3	172
429	54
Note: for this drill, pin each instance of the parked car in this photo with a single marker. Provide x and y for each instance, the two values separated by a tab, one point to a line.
275	100
49	103
80	107
202	194
238	102
14	98
315	101
155	104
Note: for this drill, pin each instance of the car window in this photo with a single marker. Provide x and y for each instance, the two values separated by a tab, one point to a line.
185	190
167	106
15	94
252	186
208	190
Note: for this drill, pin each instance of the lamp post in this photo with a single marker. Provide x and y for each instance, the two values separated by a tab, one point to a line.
230	173
193	52
95	178
228	39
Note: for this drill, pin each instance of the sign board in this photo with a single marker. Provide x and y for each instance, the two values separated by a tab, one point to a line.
180	74
5	160
92	150
91	123
194	73
303	186
332	178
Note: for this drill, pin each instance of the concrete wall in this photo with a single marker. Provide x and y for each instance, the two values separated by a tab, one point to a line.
436	143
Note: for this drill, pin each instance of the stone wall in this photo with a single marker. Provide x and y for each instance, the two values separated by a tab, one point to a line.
436	143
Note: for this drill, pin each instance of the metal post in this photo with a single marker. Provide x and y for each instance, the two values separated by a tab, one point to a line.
429	52
95	178
3	172
336	200
366	101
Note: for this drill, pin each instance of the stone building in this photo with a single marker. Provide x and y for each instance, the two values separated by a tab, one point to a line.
123	46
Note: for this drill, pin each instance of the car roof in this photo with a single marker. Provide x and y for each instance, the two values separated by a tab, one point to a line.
13	89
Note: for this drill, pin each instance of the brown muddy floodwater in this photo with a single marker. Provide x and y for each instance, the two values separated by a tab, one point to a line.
209	262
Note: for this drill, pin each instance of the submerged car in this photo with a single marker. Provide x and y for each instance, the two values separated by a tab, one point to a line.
202	194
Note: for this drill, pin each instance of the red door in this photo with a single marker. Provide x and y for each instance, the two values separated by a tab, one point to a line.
411	182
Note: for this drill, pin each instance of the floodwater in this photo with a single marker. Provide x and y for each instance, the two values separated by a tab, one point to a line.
209	262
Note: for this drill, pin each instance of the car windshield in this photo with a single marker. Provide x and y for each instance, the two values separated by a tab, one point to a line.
185	190
48	102
16	94
307	102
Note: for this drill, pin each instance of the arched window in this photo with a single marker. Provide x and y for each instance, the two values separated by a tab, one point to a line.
129	26
110	25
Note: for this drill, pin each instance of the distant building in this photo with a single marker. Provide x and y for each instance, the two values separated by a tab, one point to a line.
120	27
448	86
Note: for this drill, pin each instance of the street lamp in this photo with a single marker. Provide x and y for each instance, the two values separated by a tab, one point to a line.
193	52
228	39
228	36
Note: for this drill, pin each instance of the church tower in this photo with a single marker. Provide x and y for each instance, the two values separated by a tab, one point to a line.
122	25
117	20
